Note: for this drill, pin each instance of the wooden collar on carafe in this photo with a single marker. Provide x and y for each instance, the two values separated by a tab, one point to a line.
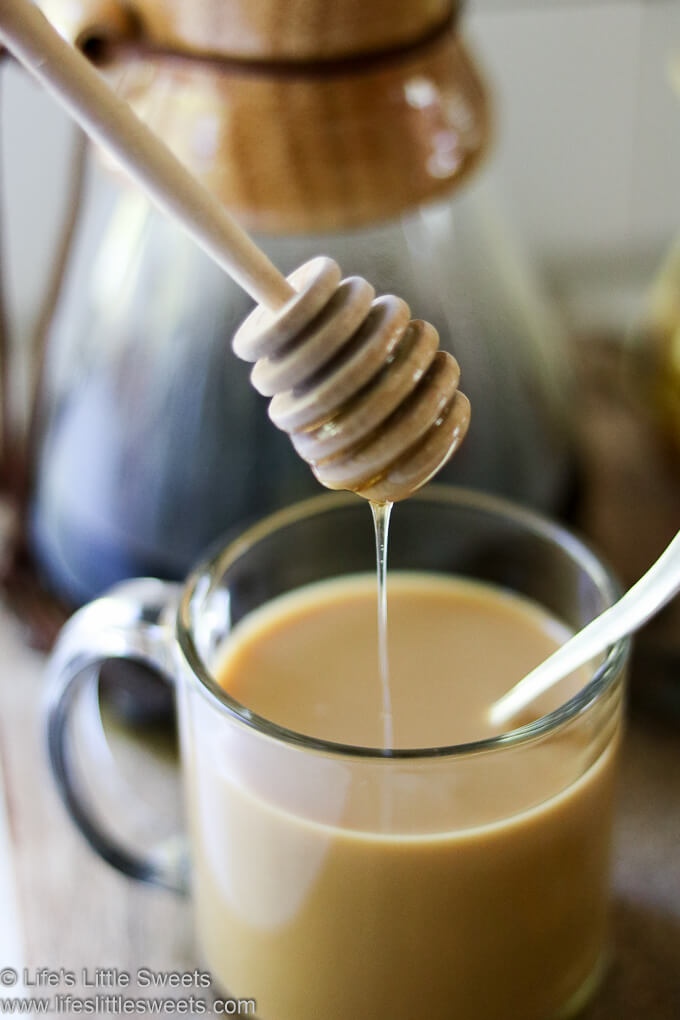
316	35
344	116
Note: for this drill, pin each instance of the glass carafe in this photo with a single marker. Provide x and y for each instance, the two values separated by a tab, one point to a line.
153	441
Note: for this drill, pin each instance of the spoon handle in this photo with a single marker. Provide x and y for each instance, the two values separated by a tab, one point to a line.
643	600
111	122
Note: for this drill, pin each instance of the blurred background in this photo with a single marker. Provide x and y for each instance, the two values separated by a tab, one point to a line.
149	442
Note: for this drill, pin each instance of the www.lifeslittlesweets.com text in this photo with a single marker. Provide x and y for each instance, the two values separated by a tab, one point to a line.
116	1004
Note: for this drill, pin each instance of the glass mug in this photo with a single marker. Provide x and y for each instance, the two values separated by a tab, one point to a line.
308	897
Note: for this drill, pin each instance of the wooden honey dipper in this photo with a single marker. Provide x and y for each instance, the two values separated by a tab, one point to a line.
363	391
365	395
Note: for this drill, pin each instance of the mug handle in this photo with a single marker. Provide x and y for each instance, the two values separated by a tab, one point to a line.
134	620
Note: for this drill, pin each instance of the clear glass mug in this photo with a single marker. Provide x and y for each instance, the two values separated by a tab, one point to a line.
307	896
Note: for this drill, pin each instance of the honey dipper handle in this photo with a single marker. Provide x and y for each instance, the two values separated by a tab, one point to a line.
111	122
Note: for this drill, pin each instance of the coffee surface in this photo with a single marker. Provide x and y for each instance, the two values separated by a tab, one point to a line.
309	660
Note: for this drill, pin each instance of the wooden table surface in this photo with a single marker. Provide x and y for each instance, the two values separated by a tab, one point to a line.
77	912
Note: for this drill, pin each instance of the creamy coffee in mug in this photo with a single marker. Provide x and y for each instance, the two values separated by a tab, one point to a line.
463	873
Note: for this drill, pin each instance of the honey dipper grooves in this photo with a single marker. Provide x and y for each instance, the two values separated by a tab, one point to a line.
365	394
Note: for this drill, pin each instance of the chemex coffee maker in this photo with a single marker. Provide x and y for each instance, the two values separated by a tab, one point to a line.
350	129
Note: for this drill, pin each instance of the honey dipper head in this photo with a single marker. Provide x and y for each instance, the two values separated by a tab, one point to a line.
365	394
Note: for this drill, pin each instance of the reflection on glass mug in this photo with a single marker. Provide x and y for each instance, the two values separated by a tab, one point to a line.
459	874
